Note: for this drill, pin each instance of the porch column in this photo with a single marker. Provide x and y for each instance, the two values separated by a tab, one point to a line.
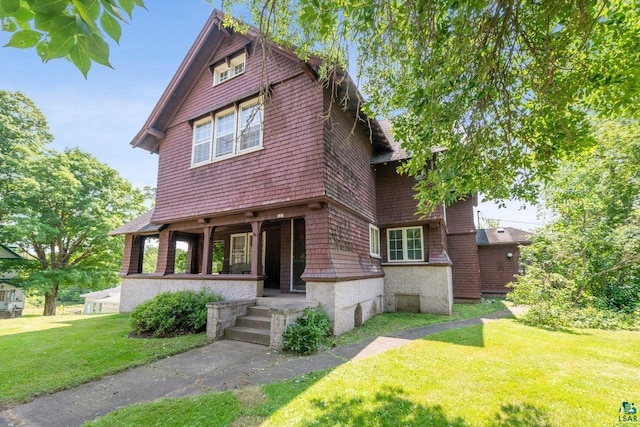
256	258
166	253
207	256
132	257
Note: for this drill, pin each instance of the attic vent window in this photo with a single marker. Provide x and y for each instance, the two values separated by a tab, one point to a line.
229	69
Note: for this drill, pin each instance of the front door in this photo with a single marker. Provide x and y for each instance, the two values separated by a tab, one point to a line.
3	300
298	259
271	256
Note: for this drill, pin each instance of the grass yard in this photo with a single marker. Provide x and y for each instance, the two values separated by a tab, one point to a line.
44	354
499	374
387	323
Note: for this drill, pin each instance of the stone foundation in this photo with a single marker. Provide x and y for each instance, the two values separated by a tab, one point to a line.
431	284
136	290
349	303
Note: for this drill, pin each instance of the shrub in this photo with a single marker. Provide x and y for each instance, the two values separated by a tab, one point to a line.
310	333
625	297
172	313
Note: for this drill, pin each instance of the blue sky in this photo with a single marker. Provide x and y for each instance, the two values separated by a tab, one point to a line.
102	114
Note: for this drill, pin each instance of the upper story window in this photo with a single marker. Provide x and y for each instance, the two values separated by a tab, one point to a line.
404	244
230	132
374	241
226	71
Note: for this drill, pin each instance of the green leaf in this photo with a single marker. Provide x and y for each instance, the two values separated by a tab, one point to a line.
9	25
48	7
82	27
85	15
41	50
80	60
42	21
23	16
59	47
127	6
24	39
92	7
114	10
10	6
111	26
63	27
96	48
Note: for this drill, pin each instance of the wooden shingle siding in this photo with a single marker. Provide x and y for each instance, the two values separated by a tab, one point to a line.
496	269
349	245
463	250
204	94
288	168
349	179
396	204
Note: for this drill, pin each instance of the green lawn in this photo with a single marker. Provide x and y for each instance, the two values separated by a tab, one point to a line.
44	354
387	323
499	374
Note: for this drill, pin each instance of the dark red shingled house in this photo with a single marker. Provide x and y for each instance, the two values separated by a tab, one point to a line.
282	173
499	256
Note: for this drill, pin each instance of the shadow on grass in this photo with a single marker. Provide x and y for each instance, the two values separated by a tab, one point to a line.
388	408
560	329
471	336
524	415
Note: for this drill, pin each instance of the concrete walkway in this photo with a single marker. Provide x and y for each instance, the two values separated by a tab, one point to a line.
222	365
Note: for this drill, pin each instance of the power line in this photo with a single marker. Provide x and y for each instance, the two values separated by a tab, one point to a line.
508	220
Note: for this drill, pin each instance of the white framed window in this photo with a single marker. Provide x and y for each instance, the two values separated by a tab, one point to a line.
241	252
233	131
202	132
374	241
227	71
241	247
250	125
225	133
405	244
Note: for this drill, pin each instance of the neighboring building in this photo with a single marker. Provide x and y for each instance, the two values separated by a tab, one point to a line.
104	301
11	296
297	188
499	256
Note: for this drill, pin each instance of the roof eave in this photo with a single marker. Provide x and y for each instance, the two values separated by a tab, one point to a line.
146	140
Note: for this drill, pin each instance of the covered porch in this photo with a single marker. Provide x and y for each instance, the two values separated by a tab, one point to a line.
238	256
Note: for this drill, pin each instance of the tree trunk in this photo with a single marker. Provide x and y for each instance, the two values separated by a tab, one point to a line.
50	300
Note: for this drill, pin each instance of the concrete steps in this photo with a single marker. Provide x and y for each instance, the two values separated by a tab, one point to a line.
254	327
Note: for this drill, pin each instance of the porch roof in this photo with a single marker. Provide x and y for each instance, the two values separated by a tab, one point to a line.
141	224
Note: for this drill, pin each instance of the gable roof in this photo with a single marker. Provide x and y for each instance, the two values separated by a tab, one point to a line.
396	153
8	253
103	293
502	236
141	224
198	57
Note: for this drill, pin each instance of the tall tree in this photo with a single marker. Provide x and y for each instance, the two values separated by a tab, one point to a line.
505	86
71	29
61	214
23	132
589	255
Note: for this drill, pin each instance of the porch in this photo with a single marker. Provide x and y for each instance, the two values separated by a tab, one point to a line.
237	260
